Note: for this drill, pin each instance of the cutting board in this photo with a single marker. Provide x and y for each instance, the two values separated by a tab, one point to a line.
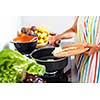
71	50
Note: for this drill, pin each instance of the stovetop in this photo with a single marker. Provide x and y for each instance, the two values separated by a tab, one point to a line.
58	77
54	77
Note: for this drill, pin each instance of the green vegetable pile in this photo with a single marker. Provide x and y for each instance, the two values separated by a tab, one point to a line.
13	64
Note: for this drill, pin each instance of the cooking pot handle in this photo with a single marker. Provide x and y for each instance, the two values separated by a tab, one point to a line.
56	45
29	56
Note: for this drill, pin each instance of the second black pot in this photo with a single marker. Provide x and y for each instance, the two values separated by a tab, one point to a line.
44	56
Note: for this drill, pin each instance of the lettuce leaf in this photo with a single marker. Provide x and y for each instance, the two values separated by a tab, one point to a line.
13	64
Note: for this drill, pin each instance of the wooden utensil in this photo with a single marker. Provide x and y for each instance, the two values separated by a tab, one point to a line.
71	50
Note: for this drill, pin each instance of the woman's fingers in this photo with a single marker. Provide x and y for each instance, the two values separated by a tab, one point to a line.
51	40
86	45
57	42
89	52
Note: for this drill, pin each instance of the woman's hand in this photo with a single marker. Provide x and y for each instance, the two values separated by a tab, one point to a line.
92	49
53	39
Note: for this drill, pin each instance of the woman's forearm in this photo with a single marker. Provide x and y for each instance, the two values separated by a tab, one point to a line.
68	34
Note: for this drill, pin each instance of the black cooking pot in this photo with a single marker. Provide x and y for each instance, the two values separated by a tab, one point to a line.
45	57
26	48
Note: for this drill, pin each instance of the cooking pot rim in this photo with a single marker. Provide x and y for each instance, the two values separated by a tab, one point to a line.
57	60
60	59
41	49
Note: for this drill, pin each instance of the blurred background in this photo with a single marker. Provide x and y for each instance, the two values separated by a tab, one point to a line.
9	25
